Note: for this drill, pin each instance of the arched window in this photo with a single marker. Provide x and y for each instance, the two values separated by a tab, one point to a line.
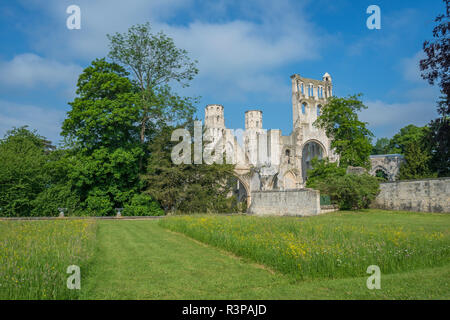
303	89
318	109
288	156
303	108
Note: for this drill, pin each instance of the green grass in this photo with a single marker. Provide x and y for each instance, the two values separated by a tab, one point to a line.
336	245
34	256
142	260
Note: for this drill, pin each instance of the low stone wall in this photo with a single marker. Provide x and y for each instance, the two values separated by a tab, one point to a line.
298	202
427	195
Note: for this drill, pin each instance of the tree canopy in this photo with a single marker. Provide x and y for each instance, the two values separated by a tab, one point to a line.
349	136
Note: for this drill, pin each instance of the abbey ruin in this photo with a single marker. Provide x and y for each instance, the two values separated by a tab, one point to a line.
266	160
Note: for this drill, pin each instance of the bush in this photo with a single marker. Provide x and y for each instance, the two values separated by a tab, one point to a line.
98	203
48	201
142	205
350	191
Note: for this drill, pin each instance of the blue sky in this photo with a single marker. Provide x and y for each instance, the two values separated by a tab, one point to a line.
246	50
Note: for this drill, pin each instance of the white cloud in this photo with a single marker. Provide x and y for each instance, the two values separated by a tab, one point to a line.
30	71
46	121
386	119
411	69
231	52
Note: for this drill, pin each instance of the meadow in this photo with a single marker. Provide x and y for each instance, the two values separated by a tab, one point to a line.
34	256
229	257
336	245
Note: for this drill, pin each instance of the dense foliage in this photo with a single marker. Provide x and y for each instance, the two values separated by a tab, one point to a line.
187	188
349	136
435	69
22	177
347	191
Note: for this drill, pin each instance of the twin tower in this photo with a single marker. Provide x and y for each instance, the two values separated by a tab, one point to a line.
214	117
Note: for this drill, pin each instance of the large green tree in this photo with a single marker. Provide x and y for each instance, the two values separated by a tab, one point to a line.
187	188
104	113
102	129
435	69
22	174
408	135
154	62
349	136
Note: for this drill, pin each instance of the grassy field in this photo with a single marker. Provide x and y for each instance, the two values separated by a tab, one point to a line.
146	260
34	256
336	245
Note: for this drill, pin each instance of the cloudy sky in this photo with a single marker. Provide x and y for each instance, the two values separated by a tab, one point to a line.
246	50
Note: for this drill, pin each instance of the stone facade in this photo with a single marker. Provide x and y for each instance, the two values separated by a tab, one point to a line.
301	202
266	159
427	195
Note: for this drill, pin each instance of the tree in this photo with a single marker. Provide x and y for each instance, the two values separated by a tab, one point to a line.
349	136
408	135
22	177
417	163
187	188
104	114
381	146
435	69
102	129
154	61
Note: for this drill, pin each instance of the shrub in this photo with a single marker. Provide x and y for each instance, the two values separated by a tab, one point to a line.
58	196
98	203
350	191
142	205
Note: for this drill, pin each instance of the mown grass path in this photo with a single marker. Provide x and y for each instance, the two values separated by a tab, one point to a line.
141	260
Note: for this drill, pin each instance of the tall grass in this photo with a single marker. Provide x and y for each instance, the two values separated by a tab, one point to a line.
34	256
333	246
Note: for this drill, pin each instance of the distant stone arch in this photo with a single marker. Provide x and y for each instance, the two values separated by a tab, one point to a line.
380	171
242	189
389	164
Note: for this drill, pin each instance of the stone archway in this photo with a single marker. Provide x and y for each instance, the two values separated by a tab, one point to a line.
381	172
311	149
242	190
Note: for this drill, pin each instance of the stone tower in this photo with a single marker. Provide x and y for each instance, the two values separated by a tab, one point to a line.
253	135
253	119
308	97
214	117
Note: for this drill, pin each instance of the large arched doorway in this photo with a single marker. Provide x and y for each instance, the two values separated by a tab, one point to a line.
311	150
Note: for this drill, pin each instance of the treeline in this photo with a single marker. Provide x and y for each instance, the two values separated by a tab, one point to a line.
117	147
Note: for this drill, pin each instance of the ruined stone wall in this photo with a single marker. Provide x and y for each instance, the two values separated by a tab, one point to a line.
300	202
427	195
